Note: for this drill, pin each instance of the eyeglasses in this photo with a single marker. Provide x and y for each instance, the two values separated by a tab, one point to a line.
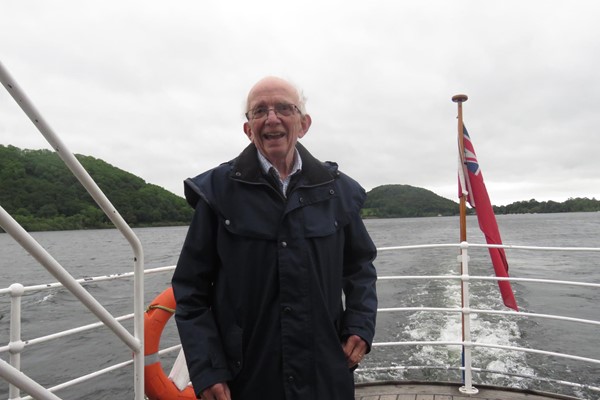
281	109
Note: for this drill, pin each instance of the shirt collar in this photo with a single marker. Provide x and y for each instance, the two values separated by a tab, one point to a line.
266	164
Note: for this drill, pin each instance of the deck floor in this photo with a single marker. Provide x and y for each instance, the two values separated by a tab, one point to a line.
419	391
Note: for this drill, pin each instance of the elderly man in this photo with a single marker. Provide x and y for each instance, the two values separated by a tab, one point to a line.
275	240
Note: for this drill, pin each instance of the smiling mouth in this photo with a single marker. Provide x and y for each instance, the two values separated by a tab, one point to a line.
273	136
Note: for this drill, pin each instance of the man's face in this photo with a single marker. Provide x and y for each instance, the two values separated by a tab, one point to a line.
275	135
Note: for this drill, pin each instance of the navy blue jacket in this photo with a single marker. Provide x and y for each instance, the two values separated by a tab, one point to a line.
260	278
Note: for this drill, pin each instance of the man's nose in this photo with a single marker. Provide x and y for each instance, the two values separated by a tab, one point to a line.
272	115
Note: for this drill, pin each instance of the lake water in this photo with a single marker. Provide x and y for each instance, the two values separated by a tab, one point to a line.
103	252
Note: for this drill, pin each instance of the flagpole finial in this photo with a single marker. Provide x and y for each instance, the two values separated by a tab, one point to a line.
459	98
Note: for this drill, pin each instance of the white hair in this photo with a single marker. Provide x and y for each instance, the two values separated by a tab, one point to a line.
301	100
300	94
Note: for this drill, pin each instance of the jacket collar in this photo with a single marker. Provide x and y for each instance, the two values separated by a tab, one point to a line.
246	167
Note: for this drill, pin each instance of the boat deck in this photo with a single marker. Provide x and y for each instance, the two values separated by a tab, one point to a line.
433	391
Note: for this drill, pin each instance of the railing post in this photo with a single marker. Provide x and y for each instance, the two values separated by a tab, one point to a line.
466	319
15	344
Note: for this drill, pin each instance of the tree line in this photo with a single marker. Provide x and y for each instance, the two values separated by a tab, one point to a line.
37	189
533	206
401	201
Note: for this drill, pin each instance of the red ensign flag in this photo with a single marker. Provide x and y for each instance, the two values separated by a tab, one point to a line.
477	196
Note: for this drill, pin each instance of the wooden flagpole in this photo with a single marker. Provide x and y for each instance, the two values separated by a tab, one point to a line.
459	99
464	286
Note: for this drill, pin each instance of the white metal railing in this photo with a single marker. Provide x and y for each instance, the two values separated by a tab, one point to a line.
16	292
10	372
466	311
17	345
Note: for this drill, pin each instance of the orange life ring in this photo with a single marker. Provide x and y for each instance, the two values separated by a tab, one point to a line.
157	384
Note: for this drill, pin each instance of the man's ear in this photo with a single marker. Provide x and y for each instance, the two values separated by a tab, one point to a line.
248	130
305	122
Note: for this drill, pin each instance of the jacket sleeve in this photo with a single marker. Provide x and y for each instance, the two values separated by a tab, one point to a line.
193	282
359	282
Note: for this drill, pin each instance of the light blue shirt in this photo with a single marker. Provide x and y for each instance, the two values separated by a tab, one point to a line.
283	183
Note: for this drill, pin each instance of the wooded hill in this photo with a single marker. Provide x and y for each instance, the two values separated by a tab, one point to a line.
401	201
38	190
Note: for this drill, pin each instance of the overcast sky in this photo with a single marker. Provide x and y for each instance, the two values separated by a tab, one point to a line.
158	88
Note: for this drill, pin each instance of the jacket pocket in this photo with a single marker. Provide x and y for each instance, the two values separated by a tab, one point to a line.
234	349
258	225
323	219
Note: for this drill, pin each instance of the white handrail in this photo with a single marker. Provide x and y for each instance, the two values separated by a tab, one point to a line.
482	344
484	278
17	290
11	374
481	311
43	257
468	344
112	277
135	342
484	245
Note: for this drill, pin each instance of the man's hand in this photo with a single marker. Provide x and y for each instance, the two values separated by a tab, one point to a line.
355	349
218	391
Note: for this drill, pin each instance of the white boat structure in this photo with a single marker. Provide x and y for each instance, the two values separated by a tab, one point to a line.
21	386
